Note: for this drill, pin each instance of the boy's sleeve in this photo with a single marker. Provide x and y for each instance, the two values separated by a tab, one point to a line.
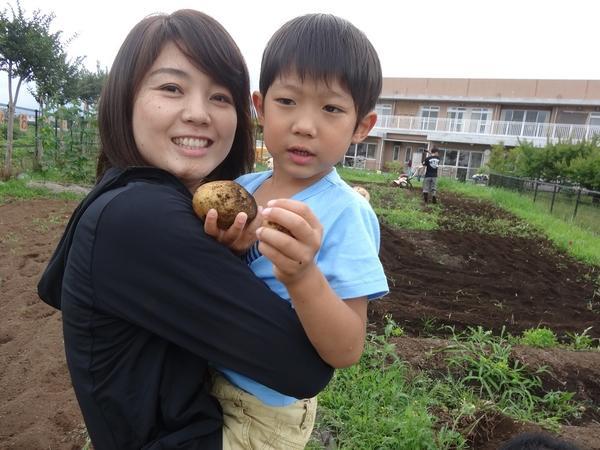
349	256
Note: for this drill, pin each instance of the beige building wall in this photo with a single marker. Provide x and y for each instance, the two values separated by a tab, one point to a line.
492	88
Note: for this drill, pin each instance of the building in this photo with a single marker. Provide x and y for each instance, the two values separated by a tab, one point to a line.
463	118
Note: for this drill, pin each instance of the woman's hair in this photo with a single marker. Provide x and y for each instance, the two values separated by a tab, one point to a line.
210	48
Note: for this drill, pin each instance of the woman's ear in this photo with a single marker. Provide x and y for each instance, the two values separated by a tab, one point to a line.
365	125
257	100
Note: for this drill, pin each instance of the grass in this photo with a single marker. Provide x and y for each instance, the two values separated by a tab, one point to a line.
582	244
18	190
401	211
382	403
379	404
365	176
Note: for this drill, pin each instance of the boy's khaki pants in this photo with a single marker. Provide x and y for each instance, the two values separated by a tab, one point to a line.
249	424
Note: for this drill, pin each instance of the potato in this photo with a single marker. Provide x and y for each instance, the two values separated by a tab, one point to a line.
276	226
228	198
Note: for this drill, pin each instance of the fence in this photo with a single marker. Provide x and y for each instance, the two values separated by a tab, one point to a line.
570	203
63	136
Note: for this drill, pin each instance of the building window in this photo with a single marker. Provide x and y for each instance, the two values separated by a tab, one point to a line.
429	116
358	154
456	119
480	120
408	154
523	122
476	159
384	109
594	126
572	117
450	158
396	153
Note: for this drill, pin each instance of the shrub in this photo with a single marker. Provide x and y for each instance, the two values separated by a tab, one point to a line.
394	166
539	337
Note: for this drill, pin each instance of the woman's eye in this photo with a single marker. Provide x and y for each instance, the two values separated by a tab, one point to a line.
332	109
285	101
170	88
223	98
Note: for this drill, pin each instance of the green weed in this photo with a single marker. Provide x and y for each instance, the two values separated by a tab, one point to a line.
539	337
581	341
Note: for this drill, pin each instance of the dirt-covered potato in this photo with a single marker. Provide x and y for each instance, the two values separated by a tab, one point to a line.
228	198
276	226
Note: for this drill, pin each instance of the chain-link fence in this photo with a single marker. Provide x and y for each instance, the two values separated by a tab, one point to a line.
571	203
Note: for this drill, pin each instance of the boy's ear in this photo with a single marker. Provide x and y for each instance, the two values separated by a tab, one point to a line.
363	128
257	100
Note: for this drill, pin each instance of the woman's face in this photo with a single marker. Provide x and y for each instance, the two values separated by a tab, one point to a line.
183	121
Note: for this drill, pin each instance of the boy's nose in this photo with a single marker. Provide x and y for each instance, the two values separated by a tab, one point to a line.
305	126
196	112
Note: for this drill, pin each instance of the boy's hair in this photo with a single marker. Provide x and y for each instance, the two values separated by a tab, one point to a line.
210	48
325	47
536	441
434	150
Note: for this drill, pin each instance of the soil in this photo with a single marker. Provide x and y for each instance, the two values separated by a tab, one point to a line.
461	278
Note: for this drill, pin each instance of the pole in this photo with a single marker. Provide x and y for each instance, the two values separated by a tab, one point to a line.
576	203
553	197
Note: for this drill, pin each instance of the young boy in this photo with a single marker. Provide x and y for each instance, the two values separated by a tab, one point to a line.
319	81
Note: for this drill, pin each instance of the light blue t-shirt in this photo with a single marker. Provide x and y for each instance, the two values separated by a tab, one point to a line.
348	256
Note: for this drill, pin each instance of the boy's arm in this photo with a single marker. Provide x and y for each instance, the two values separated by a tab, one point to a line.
335	327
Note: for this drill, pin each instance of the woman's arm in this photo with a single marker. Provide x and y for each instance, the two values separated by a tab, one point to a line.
154	266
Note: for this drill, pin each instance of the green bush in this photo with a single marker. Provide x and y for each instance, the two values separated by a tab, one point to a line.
539	337
394	166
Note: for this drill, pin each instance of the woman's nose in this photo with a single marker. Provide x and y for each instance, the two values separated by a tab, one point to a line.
196	111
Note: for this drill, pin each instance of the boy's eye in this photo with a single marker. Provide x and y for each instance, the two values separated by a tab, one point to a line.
332	109
285	101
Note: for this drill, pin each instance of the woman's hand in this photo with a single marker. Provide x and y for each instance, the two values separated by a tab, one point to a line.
292	256
240	236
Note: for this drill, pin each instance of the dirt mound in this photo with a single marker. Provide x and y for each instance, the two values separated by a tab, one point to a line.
469	278
577	372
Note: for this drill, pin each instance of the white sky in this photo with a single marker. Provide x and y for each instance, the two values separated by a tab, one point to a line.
414	38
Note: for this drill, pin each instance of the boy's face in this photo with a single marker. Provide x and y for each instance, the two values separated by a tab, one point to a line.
308	126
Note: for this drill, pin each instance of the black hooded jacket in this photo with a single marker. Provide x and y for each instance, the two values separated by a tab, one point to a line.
148	299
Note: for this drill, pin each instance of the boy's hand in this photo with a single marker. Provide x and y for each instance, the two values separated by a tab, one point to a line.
240	236
292	256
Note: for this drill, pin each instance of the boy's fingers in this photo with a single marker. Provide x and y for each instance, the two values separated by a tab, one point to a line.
285	246
296	207
284	262
298	225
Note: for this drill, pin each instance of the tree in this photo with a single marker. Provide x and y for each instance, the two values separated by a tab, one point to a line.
29	52
89	85
58	86
585	168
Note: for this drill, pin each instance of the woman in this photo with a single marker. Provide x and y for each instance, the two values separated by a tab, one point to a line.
147	298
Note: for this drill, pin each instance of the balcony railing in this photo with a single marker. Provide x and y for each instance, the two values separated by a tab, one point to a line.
537	132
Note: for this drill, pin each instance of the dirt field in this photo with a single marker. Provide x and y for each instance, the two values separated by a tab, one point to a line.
447	277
